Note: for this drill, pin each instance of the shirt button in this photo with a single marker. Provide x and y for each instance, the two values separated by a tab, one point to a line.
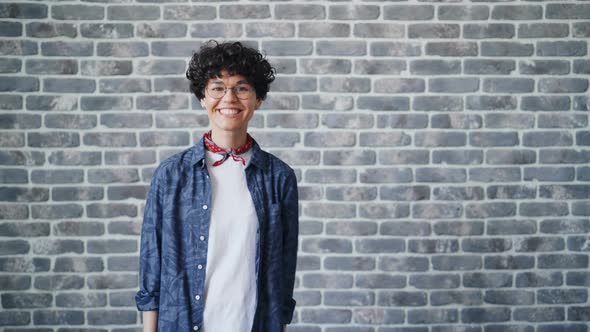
200	267
196	328
198	297
205	207
202	238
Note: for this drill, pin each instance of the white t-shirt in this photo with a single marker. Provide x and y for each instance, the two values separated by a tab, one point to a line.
230	276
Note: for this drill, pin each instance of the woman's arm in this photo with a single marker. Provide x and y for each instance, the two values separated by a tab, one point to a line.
150	321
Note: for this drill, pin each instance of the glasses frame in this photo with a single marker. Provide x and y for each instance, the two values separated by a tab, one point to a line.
232	88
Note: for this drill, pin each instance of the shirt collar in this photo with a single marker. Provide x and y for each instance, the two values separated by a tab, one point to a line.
258	158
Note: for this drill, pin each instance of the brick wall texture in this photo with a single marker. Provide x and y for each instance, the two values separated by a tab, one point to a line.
441	147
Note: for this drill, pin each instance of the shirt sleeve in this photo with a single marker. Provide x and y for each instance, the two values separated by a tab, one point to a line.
290	216
148	296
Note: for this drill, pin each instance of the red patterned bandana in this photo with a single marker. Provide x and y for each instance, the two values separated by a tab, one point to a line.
234	153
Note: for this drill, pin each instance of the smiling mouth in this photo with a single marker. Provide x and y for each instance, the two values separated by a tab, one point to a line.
228	111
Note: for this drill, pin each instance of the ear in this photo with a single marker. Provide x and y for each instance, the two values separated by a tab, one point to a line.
258	103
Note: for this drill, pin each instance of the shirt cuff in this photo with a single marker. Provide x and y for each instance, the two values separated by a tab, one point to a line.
146	301
288	310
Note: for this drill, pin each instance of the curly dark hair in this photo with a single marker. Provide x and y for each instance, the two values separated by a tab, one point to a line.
237	59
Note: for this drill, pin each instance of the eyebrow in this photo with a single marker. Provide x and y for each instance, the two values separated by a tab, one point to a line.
221	82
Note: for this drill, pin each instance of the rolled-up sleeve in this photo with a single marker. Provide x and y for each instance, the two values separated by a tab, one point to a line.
148	296
290	216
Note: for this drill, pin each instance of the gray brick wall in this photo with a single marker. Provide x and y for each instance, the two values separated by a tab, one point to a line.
442	151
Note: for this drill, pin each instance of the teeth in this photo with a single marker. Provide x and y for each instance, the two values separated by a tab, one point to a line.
226	111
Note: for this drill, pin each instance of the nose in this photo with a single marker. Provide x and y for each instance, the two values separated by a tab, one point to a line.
230	94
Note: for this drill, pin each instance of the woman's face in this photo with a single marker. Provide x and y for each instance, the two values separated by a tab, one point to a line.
230	113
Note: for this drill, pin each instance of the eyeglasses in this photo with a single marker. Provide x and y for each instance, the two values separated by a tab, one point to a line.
218	90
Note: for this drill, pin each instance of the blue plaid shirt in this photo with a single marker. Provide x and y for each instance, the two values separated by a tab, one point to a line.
174	240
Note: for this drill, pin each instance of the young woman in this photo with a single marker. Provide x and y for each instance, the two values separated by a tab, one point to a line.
219	235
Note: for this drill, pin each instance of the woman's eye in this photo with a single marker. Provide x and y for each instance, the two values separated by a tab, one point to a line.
217	89
243	89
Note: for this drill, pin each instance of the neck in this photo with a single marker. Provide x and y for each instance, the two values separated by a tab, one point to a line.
227	139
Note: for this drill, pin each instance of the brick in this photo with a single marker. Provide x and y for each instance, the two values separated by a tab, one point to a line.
456	263
15	318
547	139
177	120
11	29
133	13
463	13
386	175
562	327
280	102
16	194
161	30
378	30
490	209
18	47
505	120
567	11
411	121
511	192
124	49
581	66
489	67
326	316
508	85
28	265
52	103
8	175
378	67
506	49
126	192
287	47
484	315
325	66
19	84
533	209
379	280
270	29
353	12
376	103
545	103
538	279
106	30
329	281
58	317
349	263
435	67
110	317
395	49
122	299
106	68
295	84
378	316
432	316
349	121
562	296
515	156
78	300
488	30
17	229
15	282
509	297
227	30
162	102
56	211
401	298
403	264
69	85
433	30
486	245
110	139
14	247
111	210
562	121
77	12
78	264
539	314
334	139
53	139
404	193
123	263
12	140
341	48
561	48
189	13
399	85
23	10
57	67
408	12
160	67
453	85
543	30
563	85
446	297
299	12
316	29
124	85
295	157
57	247
485	139
11	102
561	226
380	211
456	121
440	175
580	29
70	121
394	157
112	281
292	120
77	193
439	138
368	246
19	121
451	48
72	49
330	210
517	12
75	228
246	11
